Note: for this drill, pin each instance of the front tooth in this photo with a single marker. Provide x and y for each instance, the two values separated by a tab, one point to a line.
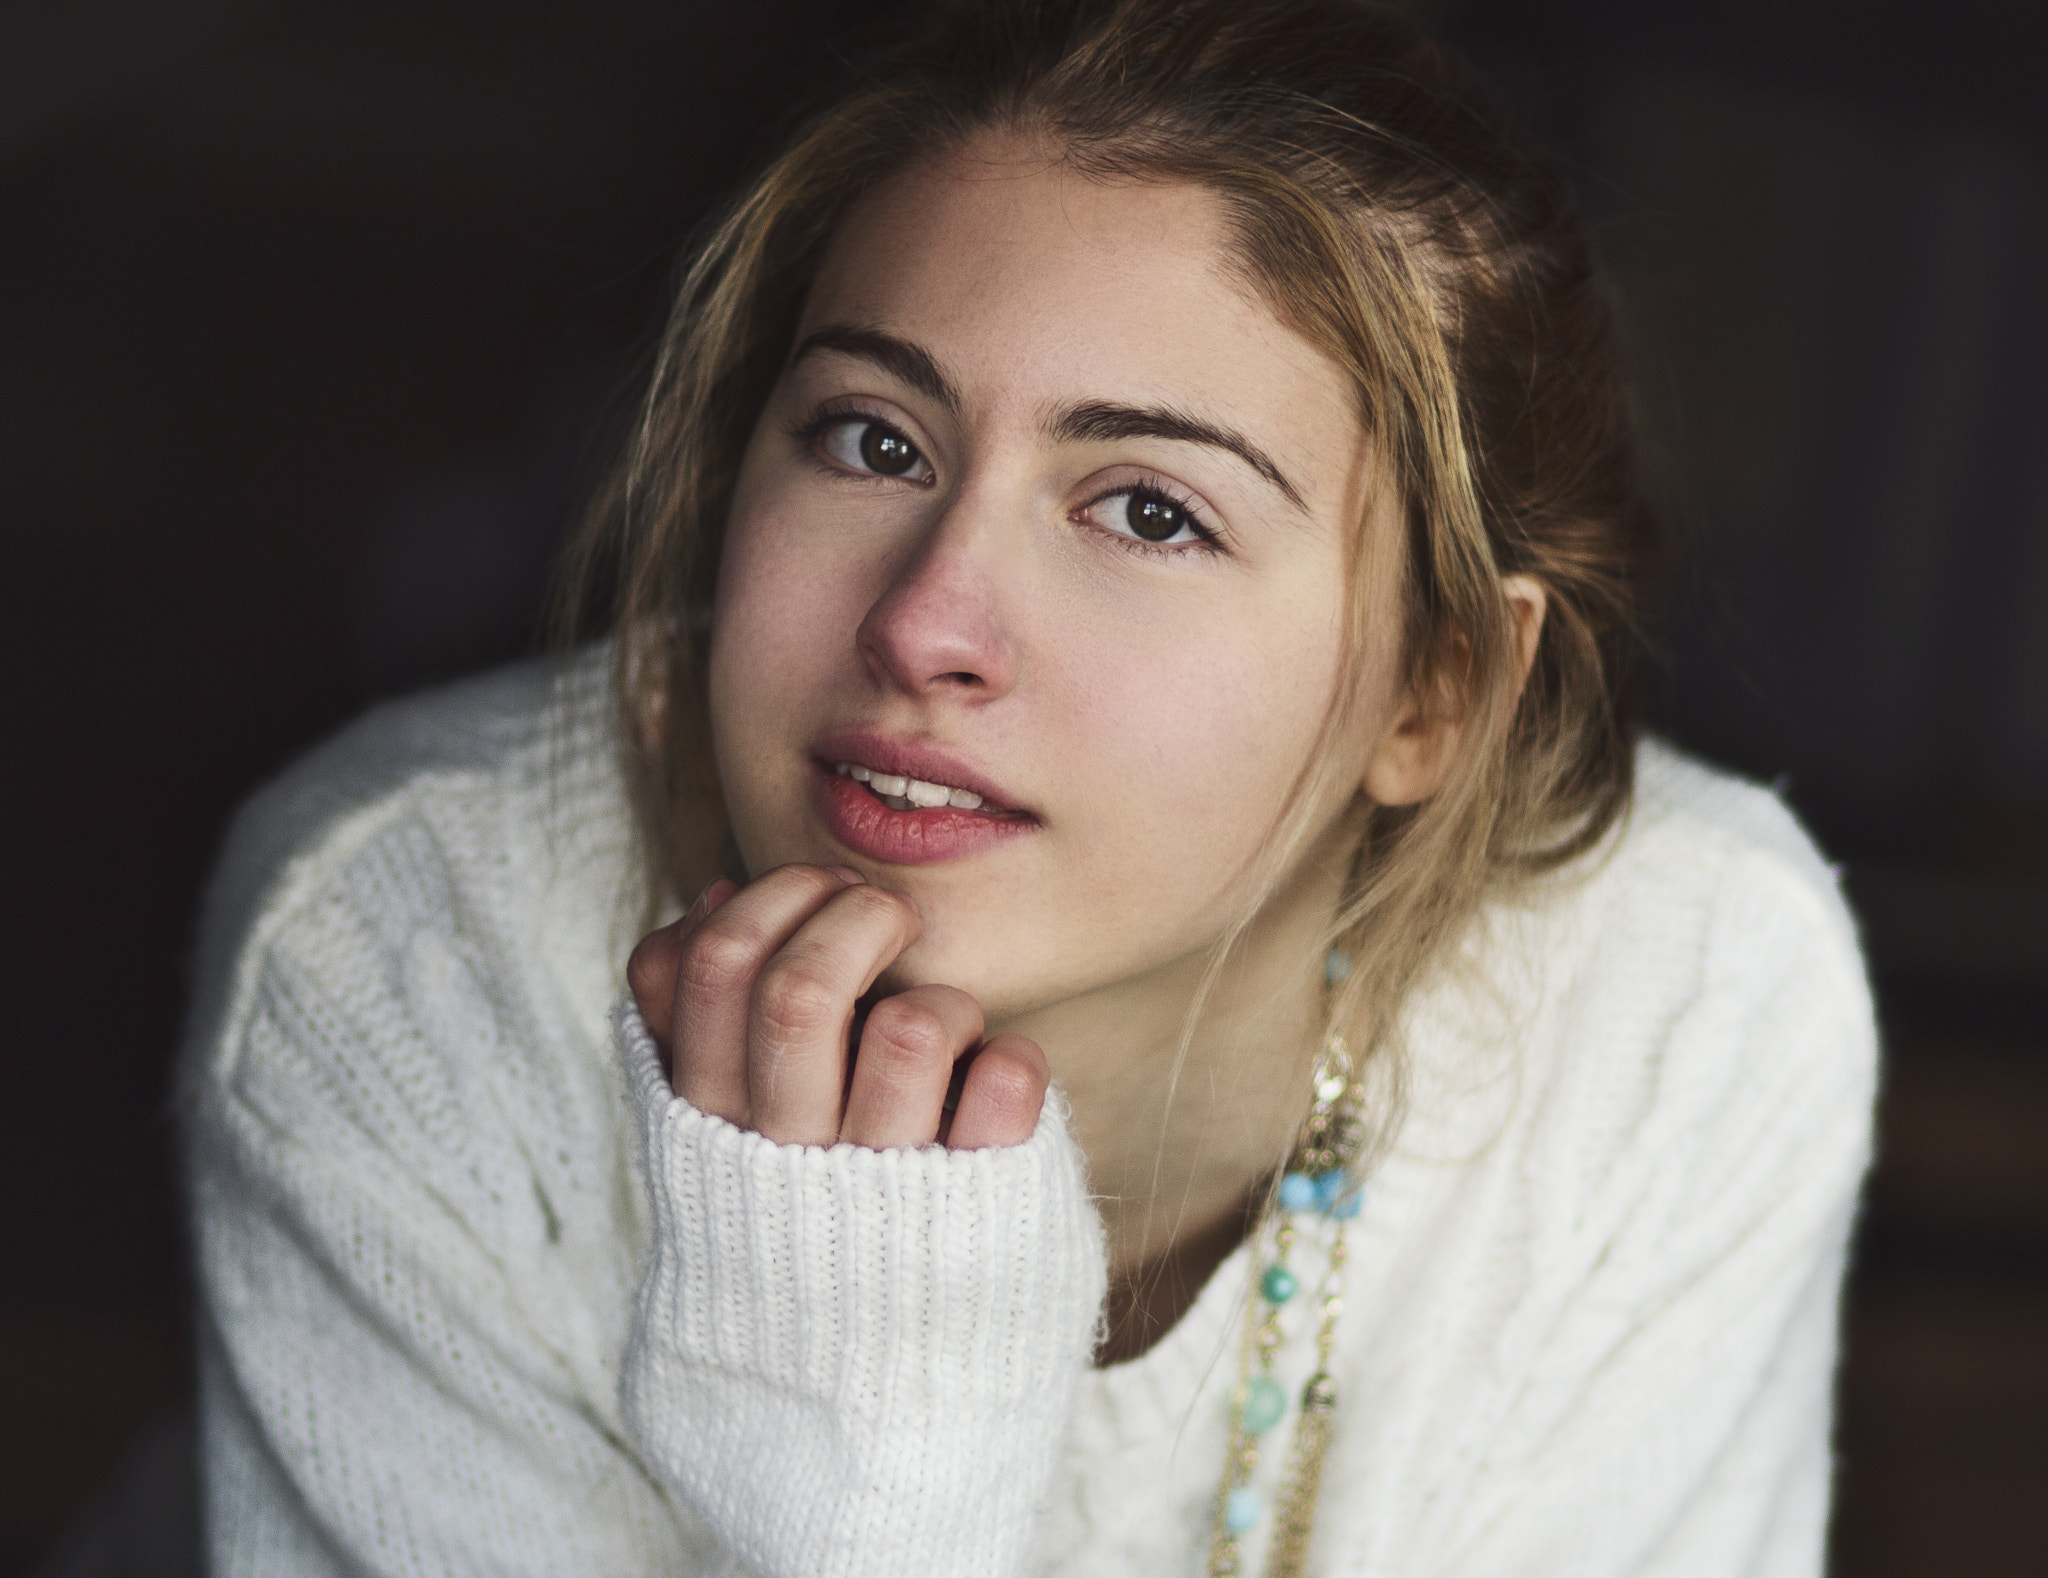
920	793
859	775
964	800
887	783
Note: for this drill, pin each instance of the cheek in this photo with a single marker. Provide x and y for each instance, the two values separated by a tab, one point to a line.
771	600
782	623
795	579
1198	740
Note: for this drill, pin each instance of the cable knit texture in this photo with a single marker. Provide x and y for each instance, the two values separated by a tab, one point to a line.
479	1295
898	1332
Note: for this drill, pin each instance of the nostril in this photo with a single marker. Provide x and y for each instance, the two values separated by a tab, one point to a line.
961	677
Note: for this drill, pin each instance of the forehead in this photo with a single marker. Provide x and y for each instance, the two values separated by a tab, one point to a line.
1031	282
962	235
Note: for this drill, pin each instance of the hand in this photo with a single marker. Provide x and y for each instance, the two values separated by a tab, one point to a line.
751	998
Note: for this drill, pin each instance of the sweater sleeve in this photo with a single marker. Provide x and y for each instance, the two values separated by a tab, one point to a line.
416	1282
400	1367
852	1362
1676	1364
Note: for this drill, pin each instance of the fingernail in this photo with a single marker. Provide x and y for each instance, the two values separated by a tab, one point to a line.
846	874
705	902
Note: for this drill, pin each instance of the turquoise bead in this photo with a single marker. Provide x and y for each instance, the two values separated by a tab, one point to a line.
1278	1285
1348	1207
1265	1400
1241	1509
1336	966
1330	1187
1297	1192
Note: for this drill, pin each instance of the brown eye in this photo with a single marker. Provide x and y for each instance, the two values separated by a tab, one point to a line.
1154	518
861	443
886	451
1146	513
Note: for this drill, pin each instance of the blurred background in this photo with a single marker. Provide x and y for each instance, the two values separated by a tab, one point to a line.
316	321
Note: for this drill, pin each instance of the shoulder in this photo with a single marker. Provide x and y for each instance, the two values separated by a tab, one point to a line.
292	832
1670	1003
1707	881
471	730
1713	894
436	847
397	1087
1703	829
1704	869
1618	1246
1719	903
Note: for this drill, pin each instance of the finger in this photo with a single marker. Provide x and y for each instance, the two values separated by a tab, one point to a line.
709	900
906	1058
651	970
718	964
803	1009
651	974
1002	1096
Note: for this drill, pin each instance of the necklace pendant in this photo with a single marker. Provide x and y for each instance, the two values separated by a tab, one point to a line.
1295	1515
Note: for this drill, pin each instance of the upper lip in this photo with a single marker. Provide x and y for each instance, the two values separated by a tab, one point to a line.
910	759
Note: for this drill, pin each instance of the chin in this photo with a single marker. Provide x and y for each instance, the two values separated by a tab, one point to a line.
953	957
978	962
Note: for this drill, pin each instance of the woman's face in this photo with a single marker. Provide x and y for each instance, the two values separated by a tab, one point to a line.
1047	508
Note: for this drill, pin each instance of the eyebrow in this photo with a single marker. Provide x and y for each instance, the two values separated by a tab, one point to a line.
1090	421
1096	421
906	362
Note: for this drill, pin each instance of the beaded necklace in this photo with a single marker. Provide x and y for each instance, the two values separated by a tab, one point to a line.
1320	1180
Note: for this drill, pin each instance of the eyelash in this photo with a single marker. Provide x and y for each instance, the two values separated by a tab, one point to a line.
1207	539
808	431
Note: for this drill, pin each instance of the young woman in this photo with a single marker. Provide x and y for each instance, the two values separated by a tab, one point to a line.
1199	1041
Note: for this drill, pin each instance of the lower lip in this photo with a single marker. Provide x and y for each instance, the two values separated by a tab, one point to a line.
920	837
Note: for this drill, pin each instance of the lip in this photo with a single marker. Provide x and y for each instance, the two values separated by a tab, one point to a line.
906	759
865	826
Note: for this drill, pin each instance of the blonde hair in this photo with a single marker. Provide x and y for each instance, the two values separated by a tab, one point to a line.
1383	209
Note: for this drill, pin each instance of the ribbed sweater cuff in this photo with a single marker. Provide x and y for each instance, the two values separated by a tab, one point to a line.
851	1361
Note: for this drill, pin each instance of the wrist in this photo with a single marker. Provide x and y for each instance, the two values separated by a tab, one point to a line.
891	1337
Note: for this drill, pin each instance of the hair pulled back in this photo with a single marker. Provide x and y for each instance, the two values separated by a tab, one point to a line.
1380	204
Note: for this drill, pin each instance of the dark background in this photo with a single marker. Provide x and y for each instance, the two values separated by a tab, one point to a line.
313	324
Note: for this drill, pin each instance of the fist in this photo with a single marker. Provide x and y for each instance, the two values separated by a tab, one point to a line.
752	998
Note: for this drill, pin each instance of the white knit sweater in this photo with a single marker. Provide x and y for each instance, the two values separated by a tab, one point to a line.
481	1296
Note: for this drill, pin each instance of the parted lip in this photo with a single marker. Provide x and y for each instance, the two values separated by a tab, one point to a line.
910	759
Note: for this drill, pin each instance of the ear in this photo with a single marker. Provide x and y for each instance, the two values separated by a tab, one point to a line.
1421	742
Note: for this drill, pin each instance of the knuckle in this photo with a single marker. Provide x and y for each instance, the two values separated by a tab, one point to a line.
1008	1082
796	1003
715	962
909	1033
652	964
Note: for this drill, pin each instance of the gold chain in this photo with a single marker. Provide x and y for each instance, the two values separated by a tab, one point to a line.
1319	1179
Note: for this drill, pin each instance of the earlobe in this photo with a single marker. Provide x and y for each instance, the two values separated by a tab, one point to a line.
1415	755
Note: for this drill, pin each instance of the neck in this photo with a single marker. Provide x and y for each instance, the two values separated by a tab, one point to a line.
1182	1132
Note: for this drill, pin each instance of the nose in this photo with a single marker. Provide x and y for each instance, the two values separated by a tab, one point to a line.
940	627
